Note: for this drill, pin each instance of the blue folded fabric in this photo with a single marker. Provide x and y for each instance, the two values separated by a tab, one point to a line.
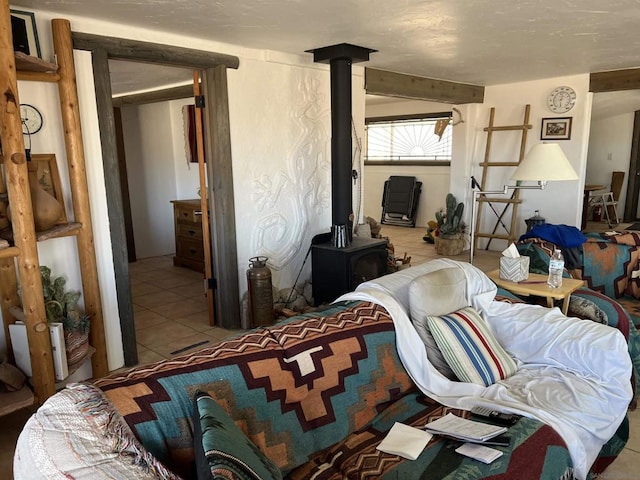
564	236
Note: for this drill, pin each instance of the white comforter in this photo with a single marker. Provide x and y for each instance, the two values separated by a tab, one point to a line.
573	375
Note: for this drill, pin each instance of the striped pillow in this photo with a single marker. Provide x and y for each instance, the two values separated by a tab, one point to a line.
470	348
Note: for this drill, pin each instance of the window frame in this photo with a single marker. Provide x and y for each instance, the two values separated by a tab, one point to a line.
398	118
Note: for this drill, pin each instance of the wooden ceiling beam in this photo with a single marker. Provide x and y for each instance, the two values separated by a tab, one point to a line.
615	80
134	50
391	84
163	95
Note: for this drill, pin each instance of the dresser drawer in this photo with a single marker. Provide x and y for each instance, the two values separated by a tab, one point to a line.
186	230
187	214
190	248
188	233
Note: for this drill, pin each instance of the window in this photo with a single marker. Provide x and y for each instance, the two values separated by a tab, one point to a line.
409	140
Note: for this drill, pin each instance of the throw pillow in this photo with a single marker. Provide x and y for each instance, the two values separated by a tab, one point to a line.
470	348
436	293
222	450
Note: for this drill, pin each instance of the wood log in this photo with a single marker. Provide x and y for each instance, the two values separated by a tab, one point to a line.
79	191
22	218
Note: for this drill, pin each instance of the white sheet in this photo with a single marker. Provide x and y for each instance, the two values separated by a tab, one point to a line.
571	372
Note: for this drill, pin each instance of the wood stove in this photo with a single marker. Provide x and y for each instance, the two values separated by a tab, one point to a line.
336	271
339	262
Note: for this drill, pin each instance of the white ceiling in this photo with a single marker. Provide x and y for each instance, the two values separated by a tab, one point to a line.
483	42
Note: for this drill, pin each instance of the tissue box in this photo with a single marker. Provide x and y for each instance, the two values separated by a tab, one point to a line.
514	269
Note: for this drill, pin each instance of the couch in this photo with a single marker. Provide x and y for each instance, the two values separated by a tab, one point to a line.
314	395
608	262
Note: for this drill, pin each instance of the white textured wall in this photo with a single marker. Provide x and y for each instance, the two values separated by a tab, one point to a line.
559	202
280	136
609	151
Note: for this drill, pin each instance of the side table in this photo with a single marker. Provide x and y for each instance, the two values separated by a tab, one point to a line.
536	284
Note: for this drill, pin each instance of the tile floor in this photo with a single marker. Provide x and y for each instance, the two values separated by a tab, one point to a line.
170	310
171	318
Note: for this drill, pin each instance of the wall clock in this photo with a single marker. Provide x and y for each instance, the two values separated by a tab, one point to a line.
31	119
561	99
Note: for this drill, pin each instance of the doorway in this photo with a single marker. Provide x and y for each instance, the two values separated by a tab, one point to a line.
217	146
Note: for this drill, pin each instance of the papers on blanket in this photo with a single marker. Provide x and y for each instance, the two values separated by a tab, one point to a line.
405	441
479	452
463	429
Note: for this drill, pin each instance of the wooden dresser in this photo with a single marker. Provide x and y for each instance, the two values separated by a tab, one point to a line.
187	216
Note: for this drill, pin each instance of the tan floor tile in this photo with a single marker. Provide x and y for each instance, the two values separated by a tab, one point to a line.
161	334
634	429
157	262
178	344
156	275
138	308
144	288
190	290
154	300
183	308
148	318
173	281
625	467
148	356
198	321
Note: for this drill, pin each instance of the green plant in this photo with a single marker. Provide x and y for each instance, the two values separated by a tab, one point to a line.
61	305
450	223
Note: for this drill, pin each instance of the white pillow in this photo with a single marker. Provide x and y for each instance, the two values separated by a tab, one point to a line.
436	293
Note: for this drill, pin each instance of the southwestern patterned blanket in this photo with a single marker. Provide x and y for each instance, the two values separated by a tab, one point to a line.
317	394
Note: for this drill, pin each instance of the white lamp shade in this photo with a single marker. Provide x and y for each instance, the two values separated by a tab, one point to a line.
545	162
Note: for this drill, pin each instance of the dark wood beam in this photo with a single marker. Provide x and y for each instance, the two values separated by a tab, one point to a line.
164	95
615	80
115	209
391	84
220	175
146	52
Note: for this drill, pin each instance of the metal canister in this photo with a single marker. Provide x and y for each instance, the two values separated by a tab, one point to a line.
260	293
533	221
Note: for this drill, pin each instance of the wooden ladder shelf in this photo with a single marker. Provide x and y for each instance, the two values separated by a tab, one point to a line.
514	200
20	255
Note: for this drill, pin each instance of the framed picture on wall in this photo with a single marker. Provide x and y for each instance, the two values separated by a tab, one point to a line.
25	35
556	128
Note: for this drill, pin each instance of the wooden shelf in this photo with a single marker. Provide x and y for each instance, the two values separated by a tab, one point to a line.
9	252
29	63
62	230
13	401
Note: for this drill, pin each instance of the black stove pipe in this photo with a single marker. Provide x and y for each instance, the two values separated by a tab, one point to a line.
341	149
340	58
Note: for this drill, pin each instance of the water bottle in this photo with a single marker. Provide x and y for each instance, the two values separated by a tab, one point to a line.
556	267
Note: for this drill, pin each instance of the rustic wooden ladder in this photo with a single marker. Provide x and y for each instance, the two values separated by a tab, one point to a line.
514	200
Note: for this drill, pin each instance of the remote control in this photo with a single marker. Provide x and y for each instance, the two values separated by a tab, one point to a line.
505	419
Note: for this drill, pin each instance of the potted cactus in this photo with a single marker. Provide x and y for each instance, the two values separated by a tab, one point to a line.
450	234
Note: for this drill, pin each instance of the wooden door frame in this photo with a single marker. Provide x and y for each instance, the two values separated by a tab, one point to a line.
614	81
221	199
633	185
